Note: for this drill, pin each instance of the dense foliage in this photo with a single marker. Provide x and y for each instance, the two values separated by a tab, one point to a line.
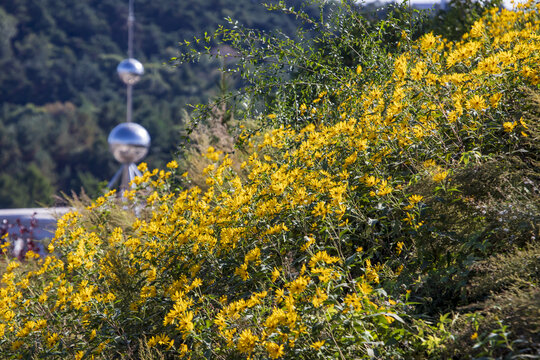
60	96
392	214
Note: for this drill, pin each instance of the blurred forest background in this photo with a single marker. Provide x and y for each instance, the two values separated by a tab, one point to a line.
60	95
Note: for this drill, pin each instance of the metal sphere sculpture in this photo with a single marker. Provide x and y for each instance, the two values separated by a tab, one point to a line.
130	71
129	142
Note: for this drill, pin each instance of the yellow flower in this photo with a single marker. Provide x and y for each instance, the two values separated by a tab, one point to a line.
325	275
184	322
414	199
183	349
16	345
477	29
370	180
440	176
242	271
399	247
428	164
372	275
143	167
358	69
400	67
428	42
523	124
247	341
31	255
384	190
354	301
320	209
494	99
209	168
274	350
509	126
351	159
307	244
52	339
277	317
253	255
280	295
418	71
317	345
319	298
474	336
160	339
42	298
322	256
172	164
212	154
148	291
129	194
298	285
365	288
409	219
275	274
477	103
7	244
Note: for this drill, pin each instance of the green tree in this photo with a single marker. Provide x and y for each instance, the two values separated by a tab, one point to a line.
27	188
458	17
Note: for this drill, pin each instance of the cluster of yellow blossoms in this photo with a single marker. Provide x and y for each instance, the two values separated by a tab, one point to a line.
272	265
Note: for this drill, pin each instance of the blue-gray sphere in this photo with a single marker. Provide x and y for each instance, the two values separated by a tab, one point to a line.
130	71
129	142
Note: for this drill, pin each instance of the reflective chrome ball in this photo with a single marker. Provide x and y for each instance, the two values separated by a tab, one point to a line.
130	71
129	142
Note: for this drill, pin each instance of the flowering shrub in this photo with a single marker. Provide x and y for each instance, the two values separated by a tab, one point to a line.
300	260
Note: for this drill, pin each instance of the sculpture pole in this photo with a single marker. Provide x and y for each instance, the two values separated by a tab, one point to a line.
131	19
129	142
